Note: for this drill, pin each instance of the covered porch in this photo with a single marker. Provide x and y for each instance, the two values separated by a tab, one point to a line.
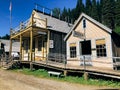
33	38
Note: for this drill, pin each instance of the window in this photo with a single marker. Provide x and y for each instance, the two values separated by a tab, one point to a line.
101	48
73	50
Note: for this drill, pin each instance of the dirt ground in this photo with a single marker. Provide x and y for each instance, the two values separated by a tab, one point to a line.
17	81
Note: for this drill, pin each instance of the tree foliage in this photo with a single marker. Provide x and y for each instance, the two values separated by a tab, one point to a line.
117	15
7	37
104	11
108	12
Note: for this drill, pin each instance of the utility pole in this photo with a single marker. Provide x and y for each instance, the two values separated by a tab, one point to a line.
84	27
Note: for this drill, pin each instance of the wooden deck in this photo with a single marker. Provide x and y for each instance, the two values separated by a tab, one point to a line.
80	69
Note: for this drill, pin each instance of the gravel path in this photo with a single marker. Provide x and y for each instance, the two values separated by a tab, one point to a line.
17	81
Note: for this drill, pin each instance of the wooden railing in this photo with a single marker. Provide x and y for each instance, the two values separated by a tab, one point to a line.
23	25
116	62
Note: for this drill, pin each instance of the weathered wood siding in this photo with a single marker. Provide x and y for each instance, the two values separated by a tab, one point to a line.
115	44
59	43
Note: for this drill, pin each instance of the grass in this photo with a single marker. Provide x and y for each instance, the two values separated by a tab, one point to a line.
42	73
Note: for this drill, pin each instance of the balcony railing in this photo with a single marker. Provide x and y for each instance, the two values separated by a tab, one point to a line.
23	25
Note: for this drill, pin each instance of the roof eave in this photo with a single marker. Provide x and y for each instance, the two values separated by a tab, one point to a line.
92	20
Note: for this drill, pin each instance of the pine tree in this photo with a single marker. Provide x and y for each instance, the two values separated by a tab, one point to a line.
108	13
56	12
117	11
94	12
99	11
65	14
69	15
88	7
73	11
79	8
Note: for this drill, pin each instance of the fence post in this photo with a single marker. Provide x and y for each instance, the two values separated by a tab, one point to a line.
65	72
31	66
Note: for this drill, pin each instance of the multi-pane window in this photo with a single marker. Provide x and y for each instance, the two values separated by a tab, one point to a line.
101	48
73	50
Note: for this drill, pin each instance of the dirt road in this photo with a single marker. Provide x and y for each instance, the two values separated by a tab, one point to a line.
16	81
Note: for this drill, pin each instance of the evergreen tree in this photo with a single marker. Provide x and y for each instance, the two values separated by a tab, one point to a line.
88	7
73	11
65	14
7	37
79	8
69	16
117	10
108	13
99	11
94	13
56	12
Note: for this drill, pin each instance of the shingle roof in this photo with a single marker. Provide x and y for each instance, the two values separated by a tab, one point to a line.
55	24
92	20
15	45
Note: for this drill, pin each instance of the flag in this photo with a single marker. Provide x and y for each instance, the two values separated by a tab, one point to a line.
10	8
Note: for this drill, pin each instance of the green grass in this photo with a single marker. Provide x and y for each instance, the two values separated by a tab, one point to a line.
41	73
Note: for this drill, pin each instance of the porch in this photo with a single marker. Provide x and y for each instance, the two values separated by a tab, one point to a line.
33	36
67	68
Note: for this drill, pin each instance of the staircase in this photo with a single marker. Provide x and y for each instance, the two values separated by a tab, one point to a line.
8	63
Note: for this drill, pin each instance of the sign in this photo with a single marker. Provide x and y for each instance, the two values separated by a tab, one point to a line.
78	34
51	44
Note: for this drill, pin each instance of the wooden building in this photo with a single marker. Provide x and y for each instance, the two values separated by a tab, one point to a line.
40	36
90	43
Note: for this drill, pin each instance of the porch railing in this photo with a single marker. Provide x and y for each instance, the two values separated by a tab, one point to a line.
116	62
86	59
23	25
56	57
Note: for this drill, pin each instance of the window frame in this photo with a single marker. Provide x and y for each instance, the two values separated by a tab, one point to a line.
101	50
73	50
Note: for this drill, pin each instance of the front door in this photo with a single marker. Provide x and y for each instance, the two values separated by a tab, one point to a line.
86	52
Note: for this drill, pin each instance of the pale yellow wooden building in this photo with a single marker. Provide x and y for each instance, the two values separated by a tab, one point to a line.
92	43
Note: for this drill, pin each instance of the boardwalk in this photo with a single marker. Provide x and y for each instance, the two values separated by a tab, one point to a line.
71	68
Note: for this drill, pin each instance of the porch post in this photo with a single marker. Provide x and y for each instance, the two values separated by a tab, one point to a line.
48	38
21	47
10	51
31	44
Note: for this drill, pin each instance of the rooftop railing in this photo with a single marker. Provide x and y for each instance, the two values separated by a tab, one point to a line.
23	25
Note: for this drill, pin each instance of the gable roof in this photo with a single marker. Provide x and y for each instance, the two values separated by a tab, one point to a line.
83	15
54	23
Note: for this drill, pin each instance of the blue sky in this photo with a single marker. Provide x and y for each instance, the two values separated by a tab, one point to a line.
21	11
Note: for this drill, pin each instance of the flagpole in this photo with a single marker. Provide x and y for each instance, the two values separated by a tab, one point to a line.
10	48
10	8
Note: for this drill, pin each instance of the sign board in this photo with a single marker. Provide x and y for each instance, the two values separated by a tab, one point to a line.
78	34
51	44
